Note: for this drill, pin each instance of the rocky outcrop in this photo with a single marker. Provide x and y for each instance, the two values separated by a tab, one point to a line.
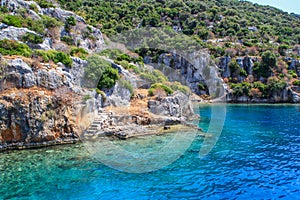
119	96
293	64
192	70
294	96
35	118
42	104
13	33
18	74
224	66
177	105
83	35
245	63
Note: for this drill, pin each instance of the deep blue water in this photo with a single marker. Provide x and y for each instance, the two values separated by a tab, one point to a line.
257	156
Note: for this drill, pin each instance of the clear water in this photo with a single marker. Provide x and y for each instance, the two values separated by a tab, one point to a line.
256	157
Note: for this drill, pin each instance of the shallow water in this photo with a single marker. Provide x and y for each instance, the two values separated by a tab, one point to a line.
256	157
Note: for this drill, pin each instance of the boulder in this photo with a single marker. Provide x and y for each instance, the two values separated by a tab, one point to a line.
178	105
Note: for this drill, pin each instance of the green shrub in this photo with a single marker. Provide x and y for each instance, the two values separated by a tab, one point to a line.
12	47
13	20
149	77
79	52
108	78
293	73
243	72
71	21
160	76
261	86
123	63
55	56
63	58
111	53
135	69
296	82
32	38
276	85
151	92
241	89
176	86
45	4
33	7
50	22
282	49
67	39
167	89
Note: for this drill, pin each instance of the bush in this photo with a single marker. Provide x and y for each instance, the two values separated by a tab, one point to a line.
45	4
155	76
63	58
123	63
149	77
55	56
13	20
111	53
33	7
67	39
124	57
79	52
11	47
95	68
167	89
276	85
108	78
160	76
262	87
50	22
241	89
296	82
71	21
243	72
32	38
282	49
176	86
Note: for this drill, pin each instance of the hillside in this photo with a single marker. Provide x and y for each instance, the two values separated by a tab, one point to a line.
232	31
57	82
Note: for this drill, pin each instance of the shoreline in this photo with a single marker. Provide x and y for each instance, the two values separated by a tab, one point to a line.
132	130
245	103
38	145
144	131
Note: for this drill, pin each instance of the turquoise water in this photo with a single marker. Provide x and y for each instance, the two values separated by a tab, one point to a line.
256	157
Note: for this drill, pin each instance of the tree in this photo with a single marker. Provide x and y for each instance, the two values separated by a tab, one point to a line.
108	78
268	62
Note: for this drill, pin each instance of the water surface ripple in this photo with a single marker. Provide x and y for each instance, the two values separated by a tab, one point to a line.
256	157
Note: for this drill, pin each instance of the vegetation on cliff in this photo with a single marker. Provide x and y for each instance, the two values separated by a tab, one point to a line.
228	28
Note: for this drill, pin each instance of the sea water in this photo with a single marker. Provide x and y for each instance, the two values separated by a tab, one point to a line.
257	156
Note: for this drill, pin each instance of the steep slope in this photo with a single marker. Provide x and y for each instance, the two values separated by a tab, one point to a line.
238	34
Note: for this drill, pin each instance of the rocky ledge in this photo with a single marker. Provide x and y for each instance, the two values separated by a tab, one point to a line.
144	116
